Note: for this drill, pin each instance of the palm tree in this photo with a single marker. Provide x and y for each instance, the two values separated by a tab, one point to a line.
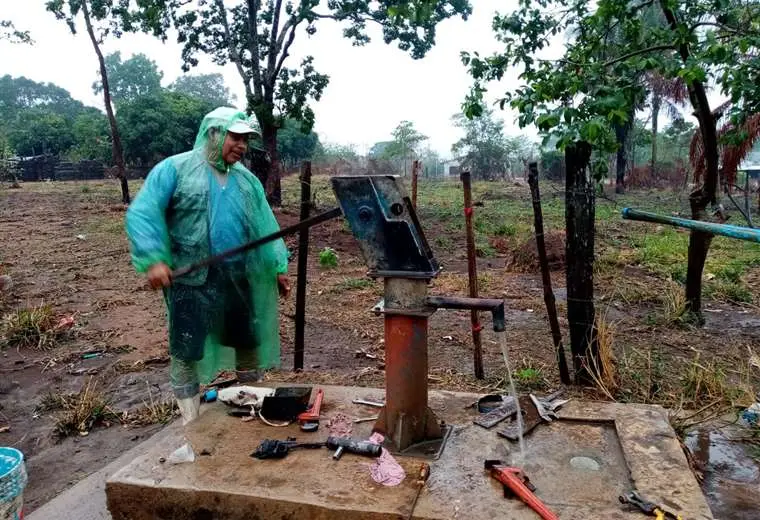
672	93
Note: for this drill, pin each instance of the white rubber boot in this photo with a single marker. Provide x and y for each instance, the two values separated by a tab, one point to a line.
189	407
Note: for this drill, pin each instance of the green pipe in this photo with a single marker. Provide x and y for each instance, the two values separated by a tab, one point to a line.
726	230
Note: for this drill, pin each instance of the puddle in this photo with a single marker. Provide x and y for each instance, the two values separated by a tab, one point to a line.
584	463
731	476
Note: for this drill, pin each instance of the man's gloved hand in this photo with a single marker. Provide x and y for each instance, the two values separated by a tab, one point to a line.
283	284
159	275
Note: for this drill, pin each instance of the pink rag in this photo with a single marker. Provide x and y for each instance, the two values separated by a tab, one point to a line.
385	470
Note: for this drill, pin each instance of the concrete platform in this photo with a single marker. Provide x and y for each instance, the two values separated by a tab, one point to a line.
633	447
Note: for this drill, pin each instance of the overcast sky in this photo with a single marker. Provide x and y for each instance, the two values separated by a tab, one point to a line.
371	88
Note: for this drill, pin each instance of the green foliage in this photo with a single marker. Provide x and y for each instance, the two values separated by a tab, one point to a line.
131	78
295	145
38	131
485	150
9	32
328	257
257	37
406	140
157	126
595	84
206	87
41	118
330	152
92	138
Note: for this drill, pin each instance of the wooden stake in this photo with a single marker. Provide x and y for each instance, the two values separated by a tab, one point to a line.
415	173
303	256
472	271
551	307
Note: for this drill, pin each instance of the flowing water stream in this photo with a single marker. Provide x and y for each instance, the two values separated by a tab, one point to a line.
503	343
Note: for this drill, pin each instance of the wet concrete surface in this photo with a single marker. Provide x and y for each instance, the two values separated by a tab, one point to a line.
620	447
731	476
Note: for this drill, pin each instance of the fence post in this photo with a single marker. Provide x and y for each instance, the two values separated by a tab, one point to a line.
303	257
549	301
472	272
415	173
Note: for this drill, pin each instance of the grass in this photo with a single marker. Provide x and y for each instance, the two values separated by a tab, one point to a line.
156	410
530	375
83	411
78	413
352	284
33	327
328	258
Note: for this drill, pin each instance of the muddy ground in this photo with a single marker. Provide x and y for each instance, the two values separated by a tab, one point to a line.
63	245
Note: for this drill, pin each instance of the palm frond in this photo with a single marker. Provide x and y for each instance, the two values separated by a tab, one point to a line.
731	155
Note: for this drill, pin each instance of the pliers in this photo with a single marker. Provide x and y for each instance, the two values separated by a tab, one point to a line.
547	406
648	508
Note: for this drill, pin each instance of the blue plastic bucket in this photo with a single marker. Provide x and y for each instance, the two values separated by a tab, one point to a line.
12	483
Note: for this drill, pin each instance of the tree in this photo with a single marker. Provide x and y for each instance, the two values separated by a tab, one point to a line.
294	145
9	32
38	131
207	87
485	150
160	125
129	79
91	137
101	18
580	96
44	118
432	165
378	150
257	37
671	93
20	94
406	141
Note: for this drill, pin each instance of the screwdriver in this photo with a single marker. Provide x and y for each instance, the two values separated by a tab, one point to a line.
422	477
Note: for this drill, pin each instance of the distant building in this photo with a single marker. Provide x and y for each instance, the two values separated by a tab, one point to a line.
753	170
452	168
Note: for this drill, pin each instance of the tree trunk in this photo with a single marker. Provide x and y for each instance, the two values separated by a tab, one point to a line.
270	176
621	133
656	103
699	242
116	148
579	252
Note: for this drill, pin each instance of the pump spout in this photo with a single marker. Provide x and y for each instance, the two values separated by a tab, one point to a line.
493	305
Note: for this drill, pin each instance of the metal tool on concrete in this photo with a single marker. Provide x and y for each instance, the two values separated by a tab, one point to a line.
646	507
276	449
422	476
368	403
309	420
515	483
495	416
383	220
535	411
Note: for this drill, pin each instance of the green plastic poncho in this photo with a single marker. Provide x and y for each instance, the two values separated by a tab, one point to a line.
182	215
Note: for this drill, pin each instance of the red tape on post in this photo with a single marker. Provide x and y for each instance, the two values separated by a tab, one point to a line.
468	212
477	328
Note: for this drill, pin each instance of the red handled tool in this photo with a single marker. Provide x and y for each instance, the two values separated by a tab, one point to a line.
516	483
309	420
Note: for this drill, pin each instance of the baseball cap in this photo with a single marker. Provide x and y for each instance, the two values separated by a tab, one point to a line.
242	127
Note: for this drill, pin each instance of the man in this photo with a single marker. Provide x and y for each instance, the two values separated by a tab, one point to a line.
194	205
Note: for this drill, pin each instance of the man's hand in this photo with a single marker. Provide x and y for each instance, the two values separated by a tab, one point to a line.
283	284
159	275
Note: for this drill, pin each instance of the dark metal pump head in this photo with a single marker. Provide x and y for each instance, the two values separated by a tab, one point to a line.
382	218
